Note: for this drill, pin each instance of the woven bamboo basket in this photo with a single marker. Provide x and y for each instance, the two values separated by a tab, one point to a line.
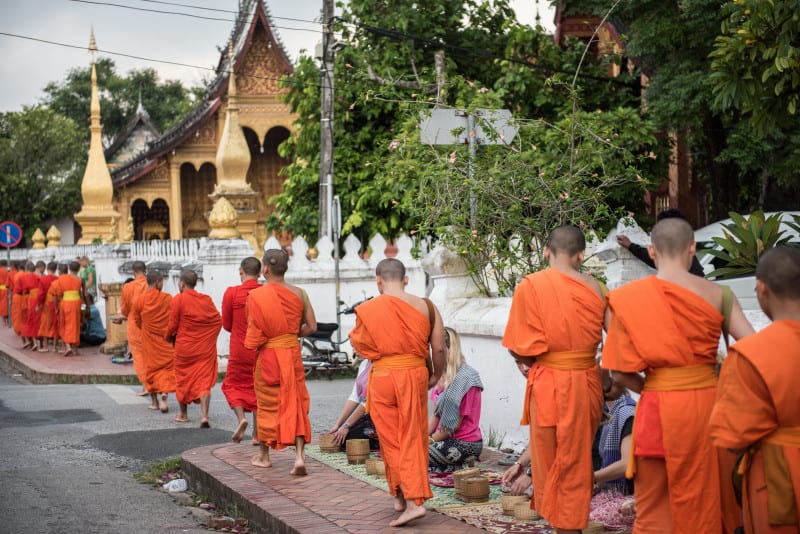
370	465
380	468
475	489
357	451
509	502
525	513
594	527
460	475
326	444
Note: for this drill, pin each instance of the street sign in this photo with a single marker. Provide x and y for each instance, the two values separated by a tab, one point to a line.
10	234
451	127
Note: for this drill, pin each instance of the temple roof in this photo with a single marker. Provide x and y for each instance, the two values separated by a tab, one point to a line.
134	138
252	14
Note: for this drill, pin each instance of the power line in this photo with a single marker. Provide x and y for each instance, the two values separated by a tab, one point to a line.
180	13
190	6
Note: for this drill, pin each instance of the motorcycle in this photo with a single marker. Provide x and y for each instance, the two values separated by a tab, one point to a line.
321	353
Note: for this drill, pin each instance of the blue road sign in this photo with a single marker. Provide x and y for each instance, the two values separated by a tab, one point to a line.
10	234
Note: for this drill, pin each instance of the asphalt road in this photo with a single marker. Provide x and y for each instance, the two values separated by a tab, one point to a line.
68	454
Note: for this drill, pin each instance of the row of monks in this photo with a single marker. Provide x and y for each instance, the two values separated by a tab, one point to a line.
44	308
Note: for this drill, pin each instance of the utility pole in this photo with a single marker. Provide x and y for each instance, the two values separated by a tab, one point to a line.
326	124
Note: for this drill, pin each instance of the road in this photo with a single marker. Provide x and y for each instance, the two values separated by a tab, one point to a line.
68	454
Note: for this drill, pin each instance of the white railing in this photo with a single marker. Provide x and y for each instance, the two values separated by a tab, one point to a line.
176	250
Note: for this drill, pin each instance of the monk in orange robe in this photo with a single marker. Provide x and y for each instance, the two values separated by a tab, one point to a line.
47	326
151	315
394	331
238	383
276	314
669	326
554	326
758	399
130	292
194	324
69	297
18	302
29	283
30	330
4	291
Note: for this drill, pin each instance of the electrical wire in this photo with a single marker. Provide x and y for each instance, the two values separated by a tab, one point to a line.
191	6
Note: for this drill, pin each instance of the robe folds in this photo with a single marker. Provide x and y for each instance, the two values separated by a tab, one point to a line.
47	322
195	323
394	336
18	311
4	275
757	401
558	319
238	384
662	328
151	315
130	292
34	318
69	307
274	315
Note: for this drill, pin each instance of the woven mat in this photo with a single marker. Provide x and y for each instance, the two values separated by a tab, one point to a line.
442	497
490	517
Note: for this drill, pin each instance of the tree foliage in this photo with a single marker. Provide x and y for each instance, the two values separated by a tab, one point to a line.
42	157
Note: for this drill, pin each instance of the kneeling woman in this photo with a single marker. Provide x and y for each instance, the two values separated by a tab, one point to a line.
455	434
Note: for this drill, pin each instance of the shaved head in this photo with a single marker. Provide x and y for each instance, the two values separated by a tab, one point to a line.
779	269
277	261
139	267
672	237
189	278
251	266
568	240
154	277
391	270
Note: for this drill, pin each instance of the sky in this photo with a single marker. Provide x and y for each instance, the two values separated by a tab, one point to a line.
27	65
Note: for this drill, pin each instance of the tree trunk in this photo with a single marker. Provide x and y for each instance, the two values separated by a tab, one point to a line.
723	178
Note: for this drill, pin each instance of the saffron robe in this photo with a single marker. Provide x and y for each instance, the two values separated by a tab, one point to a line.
394	335
553	314
18	311
47	323
195	323
151	315
657	324
757	395
130	292
274	316
70	297
238	384
32	282
4	275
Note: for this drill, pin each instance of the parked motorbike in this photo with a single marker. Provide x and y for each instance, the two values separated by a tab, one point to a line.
321	353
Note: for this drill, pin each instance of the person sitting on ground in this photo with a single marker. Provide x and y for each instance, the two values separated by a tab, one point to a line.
92	331
455	434
354	422
643	255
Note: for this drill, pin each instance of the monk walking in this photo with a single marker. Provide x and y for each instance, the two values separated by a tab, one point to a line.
29	284
554	327
277	313
395	330
34	283
758	399
151	314
69	297
669	326
19	312
4	291
130	292
48	328
238	384
194	324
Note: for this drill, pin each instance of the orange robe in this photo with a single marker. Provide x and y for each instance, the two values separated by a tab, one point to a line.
69	307
394	335
4	291
47	324
130	292
151	315
559	320
33	284
18	311
757	396
238	384
671	333
195	323
274	315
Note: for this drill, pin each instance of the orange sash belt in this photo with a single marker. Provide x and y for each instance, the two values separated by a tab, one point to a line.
3	287
71	296
284	341
386	363
573	360
671	379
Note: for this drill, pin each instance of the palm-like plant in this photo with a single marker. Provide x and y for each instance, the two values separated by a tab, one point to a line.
746	239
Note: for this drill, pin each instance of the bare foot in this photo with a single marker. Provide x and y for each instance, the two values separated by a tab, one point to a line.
180	419
163	404
299	470
153	407
259	460
69	352
399	502
204	423
239	434
411	513
143	393
255	442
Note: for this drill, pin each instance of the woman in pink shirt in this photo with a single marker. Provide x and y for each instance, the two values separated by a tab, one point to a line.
455	434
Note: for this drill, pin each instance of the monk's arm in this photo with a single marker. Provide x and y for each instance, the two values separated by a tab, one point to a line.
631	381
438	349
309	325
174	318
740	327
227	310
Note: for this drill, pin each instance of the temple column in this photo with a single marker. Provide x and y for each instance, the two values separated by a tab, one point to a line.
175	208
116	334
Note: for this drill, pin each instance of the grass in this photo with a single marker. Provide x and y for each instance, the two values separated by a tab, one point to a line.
159	473
493	438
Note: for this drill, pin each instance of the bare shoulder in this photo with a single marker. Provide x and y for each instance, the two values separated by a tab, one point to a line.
591	282
294	289
417	302
706	289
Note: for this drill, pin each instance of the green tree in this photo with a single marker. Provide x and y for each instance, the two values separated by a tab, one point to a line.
42	157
